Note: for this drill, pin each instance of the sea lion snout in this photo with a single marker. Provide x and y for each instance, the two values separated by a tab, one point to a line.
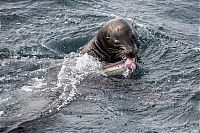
131	52
129	49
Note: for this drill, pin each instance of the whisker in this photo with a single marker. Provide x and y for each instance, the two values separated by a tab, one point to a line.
113	50
121	47
120	55
117	55
123	56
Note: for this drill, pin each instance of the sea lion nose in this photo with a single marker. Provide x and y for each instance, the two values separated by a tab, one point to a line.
131	52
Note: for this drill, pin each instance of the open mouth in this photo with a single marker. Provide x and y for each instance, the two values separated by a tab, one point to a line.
130	61
130	64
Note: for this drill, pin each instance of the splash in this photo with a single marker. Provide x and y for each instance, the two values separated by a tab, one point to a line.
34	85
74	69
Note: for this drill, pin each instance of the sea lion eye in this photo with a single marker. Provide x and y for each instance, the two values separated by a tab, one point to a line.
107	37
116	41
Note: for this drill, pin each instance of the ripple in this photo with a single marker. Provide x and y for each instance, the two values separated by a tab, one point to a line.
64	92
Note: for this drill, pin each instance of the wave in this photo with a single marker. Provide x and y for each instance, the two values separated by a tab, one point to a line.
187	14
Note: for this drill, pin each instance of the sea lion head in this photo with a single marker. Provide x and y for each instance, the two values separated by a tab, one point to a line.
117	40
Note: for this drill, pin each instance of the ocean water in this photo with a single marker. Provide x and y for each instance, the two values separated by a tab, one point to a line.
46	86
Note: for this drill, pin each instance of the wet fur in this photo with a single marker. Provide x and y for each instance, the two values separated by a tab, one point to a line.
115	41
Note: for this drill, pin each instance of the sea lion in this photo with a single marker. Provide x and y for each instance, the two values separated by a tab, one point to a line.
115	41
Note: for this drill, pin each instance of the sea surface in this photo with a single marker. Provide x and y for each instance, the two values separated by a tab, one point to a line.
46	86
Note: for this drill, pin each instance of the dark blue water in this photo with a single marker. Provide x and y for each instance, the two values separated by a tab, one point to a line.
46	86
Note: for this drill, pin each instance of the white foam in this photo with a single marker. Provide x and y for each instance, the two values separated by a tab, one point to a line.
196	49
27	88
141	25
87	64
74	68
2	78
35	84
1	113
